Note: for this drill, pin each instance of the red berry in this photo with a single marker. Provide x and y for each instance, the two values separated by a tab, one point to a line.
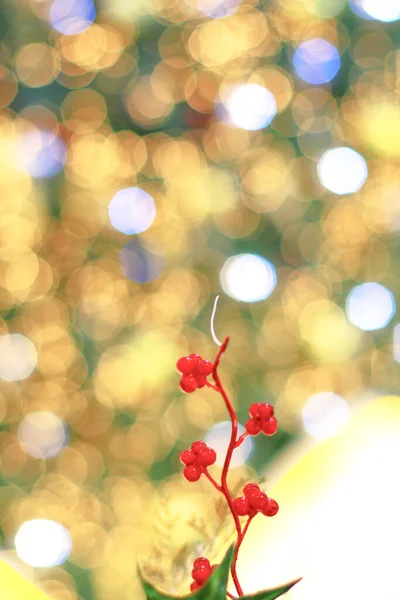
242	506
201	380
196	358
271	508
269	427
206	457
251	489
201	575
200	562
194	586
252	426
253	410
265	411
187	457
185	365
192	473
188	384
204	367
258	502
198	446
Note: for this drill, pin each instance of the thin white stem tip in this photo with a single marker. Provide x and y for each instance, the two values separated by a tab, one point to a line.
214	337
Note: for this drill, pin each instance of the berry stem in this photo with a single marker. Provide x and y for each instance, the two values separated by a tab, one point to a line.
210	478
213	387
228	457
230	595
240	540
241	439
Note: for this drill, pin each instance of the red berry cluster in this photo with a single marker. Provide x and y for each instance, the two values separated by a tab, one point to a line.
262	420
254	501
195	371
196	460
201	572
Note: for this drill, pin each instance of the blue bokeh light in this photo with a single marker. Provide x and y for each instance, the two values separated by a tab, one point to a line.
218	9
132	210
316	61
43	153
72	17
140	265
370	306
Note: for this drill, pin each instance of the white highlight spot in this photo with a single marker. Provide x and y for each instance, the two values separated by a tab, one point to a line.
370	306
43	543
219	437
42	434
248	277
382	10
251	106
218	9
342	170
132	210
325	414
18	357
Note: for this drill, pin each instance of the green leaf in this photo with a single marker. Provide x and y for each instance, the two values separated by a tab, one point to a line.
271	594
213	589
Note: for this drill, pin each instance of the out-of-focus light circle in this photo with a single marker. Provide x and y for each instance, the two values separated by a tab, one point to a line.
248	277
325	8
42	434
42	153
43	543
370	306
72	17
316	61
218	9
218	438
140	265
355	6
342	170
381	10
18	357
132	210
250	106
325	414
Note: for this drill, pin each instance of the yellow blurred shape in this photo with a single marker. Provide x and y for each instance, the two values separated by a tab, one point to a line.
14	586
218	41
330	336
37	64
137	371
338	523
99	47
380	126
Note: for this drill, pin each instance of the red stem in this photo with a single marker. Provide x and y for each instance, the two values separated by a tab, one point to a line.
210	478
241	439
230	595
228	457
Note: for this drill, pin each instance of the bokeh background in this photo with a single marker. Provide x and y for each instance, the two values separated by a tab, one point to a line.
153	154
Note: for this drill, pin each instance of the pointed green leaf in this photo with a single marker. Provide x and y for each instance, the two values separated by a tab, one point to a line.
271	594
213	589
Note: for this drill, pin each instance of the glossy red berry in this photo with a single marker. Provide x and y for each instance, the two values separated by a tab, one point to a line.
270	426
242	506
185	365
188	384
187	457
253	410
198	446
201	380
252	427
265	411
200	562
194	586
206	457
251	489
204	367
258	501
192	473
201	575
271	508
